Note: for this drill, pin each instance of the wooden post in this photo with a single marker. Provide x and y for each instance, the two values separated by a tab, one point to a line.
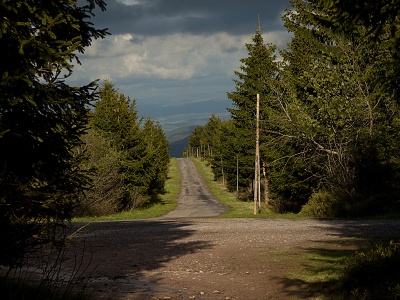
237	176
266	185
257	161
222	171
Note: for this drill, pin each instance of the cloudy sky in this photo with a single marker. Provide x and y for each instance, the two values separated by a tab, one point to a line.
177	57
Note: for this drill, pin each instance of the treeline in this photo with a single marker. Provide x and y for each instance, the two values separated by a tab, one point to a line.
329	114
126	157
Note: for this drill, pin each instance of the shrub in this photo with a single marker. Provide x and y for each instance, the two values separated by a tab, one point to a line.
322	204
373	274
280	205
107	191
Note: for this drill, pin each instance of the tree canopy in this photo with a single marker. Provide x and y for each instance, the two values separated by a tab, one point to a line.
41	117
128	156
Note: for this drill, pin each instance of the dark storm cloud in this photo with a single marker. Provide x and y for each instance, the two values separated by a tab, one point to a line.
162	17
174	56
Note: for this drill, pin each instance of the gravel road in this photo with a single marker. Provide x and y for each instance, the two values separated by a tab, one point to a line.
195	200
189	255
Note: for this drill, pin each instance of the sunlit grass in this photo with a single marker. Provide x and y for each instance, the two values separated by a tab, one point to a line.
163	204
318	269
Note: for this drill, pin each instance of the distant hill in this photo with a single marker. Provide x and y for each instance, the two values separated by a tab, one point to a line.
178	140
184	113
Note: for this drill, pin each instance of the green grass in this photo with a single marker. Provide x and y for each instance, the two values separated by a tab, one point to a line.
237	208
163	204
318	269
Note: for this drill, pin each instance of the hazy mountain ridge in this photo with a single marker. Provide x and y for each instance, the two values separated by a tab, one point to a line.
179	120
183	114
178	139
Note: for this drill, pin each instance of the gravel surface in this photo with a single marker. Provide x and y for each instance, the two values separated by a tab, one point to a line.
211	258
189	255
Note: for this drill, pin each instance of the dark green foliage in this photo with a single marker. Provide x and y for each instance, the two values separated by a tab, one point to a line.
329	115
373	274
129	160
41	119
344	121
145	168
116	116
257	71
107	189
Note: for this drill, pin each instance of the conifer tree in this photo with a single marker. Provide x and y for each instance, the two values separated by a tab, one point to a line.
256	72
130	160
156	157
116	115
380	20
41	118
114	131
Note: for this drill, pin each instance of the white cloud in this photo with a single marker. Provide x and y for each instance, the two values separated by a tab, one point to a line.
130	2
176	56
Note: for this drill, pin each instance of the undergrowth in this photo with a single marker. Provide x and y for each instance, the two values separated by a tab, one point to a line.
373	274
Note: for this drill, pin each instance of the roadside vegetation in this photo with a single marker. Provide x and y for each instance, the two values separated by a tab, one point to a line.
126	157
165	202
238	208
65	150
347	269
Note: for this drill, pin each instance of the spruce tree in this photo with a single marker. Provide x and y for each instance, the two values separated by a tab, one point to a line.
116	116
130	158
41	118
156	157
256	72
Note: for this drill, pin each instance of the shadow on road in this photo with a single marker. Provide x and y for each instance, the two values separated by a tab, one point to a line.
128	256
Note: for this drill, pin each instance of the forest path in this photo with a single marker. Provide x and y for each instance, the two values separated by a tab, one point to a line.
195	199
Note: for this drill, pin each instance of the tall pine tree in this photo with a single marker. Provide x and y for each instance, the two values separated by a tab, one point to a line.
256	72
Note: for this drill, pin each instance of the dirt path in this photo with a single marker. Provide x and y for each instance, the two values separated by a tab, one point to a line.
195	200
189	255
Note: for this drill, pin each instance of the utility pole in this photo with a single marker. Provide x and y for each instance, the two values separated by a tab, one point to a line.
222	171
257	161
237	176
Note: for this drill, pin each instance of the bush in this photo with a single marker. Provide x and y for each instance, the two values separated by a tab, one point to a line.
107	191
373	274
280	205
322	204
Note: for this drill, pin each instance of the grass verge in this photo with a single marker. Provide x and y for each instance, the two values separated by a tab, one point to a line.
319	269
346	269
158	207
